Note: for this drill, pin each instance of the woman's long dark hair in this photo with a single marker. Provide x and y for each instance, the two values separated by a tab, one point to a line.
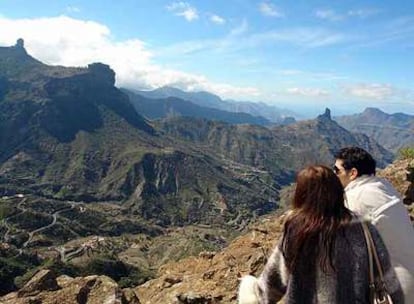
318	213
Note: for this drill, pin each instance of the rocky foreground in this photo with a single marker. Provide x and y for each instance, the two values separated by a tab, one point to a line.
208	278
211	277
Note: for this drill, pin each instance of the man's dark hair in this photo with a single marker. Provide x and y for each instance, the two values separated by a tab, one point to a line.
358	158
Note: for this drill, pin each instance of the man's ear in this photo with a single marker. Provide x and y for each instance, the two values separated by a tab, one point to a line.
353	174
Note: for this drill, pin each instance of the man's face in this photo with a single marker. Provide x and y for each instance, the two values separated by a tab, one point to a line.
345	176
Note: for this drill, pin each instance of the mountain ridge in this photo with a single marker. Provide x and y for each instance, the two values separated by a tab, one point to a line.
393	131
203	98
156	108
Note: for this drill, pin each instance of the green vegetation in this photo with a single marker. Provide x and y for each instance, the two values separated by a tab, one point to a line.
4	210
109	265
406	153
14	274
21	280
11	267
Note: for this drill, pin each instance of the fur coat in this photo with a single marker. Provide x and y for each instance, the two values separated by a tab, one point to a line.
309	284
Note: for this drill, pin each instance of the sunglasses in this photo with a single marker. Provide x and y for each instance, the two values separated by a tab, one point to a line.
335	169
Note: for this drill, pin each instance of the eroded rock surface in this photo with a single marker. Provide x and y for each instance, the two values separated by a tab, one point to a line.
45	288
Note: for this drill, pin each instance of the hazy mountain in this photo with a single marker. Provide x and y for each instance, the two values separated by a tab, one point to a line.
200	98
273	113
392	131
174	106
206	99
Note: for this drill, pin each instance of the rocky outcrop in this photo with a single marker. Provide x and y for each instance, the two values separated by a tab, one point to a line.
45	288
44	280
409	194
326	115
401	174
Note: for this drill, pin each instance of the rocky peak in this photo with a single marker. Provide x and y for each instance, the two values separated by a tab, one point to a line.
326	115
374	114
15	60
17	49
19	44
102	72
373	111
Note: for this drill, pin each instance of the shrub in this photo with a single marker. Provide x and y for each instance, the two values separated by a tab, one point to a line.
135	277
10	269
406	153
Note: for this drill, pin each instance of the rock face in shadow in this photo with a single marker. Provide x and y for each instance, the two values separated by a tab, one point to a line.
43	280
45	288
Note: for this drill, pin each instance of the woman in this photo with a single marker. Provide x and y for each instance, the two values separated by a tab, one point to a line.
322	256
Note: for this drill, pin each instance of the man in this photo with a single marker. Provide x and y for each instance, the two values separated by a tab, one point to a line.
376	199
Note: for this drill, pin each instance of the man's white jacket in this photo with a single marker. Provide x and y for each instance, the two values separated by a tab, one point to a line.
375	198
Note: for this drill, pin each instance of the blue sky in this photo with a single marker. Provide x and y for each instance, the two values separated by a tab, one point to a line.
301	55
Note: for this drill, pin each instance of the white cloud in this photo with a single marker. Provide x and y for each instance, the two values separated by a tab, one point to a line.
310	75
364	12
308	92
269	9
239	39
329	14
303	36
183	9
290	72
189	14
56	41
370	91
217	19
241	29
72	9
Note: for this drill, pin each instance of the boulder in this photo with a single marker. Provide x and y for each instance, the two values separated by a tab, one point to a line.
43	280
45	288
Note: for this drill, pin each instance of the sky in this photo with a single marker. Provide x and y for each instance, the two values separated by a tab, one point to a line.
300	55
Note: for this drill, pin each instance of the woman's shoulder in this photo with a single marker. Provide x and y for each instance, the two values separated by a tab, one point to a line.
355	228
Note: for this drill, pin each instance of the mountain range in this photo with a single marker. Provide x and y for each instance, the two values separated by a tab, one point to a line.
155	108
271	113
392	131
77	159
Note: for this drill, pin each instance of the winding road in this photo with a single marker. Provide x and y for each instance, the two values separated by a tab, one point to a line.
4	221
19	206
54	215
